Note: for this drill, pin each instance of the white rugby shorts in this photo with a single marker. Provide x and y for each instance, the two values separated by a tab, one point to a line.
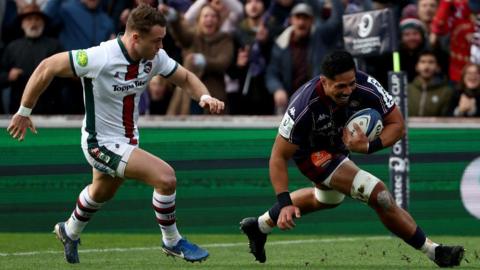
109	158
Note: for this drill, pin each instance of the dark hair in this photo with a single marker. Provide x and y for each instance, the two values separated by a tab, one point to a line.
143	18
337	62
428	52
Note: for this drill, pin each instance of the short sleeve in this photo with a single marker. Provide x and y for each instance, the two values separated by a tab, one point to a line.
88	62
295	124
166	65
380	99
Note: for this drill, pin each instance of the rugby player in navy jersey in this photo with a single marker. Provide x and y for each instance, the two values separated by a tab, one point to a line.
312	134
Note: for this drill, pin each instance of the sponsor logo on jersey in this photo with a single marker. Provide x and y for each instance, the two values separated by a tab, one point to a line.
322	117
292	111
82	58
124	88
321	158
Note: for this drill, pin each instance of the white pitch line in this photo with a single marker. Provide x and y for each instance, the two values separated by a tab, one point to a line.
215	245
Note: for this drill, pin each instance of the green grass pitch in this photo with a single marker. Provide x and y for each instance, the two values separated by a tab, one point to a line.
229	252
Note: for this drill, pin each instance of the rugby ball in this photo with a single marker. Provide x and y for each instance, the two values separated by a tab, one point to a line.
370	122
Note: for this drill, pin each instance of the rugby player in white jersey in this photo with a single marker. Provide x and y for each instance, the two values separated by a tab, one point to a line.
114	74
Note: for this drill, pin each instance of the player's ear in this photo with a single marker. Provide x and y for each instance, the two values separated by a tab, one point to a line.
323	80
135	36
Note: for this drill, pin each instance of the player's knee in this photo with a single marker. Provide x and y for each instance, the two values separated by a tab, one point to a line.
329	198
167	180
363	185
385	200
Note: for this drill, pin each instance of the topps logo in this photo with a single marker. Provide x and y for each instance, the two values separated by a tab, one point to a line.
124	88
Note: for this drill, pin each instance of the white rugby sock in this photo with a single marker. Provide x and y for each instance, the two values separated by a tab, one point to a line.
263	224
84	210
164	206
428	248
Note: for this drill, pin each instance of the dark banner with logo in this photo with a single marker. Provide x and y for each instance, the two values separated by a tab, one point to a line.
369	33
399	162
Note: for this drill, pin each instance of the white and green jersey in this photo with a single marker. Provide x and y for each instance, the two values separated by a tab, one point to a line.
112	85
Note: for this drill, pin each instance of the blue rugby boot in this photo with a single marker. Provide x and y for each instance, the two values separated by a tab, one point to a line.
187	251
70	246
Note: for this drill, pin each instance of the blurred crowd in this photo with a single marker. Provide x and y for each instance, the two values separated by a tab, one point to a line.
253	54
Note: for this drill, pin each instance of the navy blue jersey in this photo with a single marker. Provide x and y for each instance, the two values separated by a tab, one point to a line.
315	122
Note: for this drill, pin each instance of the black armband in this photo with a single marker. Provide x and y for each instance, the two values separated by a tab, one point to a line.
375	145
284	199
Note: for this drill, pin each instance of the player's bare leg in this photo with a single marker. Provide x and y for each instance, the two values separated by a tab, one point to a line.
155	172
307	199
349	179
90	200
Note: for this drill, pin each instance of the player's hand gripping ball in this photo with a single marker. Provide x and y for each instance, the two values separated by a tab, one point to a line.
369	121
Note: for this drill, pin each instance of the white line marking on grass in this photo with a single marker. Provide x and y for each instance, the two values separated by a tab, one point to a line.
215	245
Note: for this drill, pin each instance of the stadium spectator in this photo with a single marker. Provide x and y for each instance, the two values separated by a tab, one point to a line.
157	97
312	133
412	42
254	45
453	18
230	11
467	98
23	55
81	24
201	47
298	50
278	14
429	94
426	10
475	49
114	75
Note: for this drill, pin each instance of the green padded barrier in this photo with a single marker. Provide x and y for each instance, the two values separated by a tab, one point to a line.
223	177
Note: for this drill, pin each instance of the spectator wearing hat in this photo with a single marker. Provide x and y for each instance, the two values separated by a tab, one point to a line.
412	42
298	52
23	55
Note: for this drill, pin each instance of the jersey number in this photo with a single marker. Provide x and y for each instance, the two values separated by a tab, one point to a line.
127	116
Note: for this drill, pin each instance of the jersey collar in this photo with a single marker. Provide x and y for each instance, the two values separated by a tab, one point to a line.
124	50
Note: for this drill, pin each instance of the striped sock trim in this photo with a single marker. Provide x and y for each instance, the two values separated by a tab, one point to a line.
164	206
85	208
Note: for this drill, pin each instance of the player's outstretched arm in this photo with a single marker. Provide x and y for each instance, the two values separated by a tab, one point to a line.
197	90
55	65
282	151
